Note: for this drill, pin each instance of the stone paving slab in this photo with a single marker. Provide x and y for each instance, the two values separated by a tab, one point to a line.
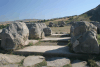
56	39
31	41
48	50
58	35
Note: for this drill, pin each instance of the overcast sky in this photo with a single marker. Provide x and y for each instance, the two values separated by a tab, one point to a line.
43	9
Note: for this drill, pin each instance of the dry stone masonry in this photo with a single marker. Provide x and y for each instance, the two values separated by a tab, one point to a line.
83	37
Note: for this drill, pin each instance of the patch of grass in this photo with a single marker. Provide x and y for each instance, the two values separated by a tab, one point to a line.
70	47
44	63
98	38
92	63
38	42
68	65
30	44
21	63
65	29
3	26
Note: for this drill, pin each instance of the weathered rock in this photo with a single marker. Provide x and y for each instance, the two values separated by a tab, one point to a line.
36	30
9	65
0	33
98	63
79	63
15	35
56	25
10	59
47	31
61	24
83	38
32	60
97	24
58	61
51	24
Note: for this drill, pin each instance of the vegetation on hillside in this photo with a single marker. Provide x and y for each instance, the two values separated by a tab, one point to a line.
91	15
3	26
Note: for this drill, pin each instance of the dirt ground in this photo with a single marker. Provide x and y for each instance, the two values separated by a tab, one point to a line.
65	29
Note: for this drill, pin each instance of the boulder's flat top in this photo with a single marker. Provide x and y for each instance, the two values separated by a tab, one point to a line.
56	39
58	34
48	49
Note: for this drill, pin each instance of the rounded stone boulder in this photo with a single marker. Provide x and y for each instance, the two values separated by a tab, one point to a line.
83	38
47	31
14	36
32	60
58	61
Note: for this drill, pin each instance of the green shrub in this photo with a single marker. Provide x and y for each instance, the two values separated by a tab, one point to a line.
30	44
56	33
70	47
3	26
92	63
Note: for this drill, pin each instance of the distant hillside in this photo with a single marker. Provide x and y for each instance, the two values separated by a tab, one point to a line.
25	20
91	15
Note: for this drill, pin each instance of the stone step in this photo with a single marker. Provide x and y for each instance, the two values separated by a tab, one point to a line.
64	39
31	41
47	51
59	35
52	44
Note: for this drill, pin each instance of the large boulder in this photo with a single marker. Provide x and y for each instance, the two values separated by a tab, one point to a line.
97	24
83	38
61	24
15	35
36	30
41	26
47	31
51	24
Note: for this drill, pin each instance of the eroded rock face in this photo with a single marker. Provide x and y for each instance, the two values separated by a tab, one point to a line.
61	24
97	24
36	30
47	31
51	24
15	35
83	38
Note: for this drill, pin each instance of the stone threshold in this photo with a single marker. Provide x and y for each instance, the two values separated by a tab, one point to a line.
49	50
56	39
